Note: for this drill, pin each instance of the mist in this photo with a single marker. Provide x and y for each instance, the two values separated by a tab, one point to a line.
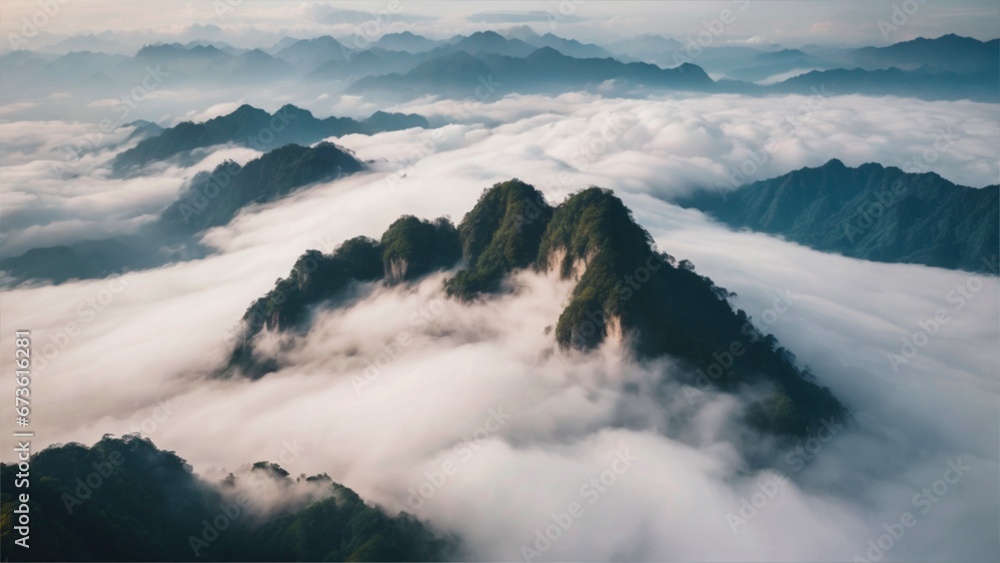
470	416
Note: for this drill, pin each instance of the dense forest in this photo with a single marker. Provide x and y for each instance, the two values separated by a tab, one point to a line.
125	500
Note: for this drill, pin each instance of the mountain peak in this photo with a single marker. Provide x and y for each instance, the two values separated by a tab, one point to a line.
590	238
245	111
488	34
522	32
271	176
321	41
294	111
402	35
500	234
244	125
546	53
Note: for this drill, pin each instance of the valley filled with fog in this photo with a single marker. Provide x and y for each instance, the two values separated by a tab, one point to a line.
469	414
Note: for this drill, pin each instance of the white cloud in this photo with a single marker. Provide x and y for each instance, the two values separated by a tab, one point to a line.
155	338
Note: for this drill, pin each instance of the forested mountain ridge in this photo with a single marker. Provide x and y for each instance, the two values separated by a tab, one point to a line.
123	499
624	289
872	212
255	128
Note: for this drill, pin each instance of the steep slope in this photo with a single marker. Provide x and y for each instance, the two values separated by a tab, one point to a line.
147	505
409	249
257	129
501	234
209	200
628	290
213	199
624	289
871	212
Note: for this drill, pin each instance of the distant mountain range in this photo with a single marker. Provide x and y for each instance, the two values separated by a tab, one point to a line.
214	198
255	128
949	53
871	212
763	66
647	47
980	86
544	70
590	238
405	65
406	41
210	199
568	47
86	259
125	500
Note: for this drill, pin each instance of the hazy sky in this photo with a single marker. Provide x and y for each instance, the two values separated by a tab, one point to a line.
787	22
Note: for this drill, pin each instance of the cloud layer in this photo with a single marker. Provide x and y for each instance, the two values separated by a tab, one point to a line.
478	424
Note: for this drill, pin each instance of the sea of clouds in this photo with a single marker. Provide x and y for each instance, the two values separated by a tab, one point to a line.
478	423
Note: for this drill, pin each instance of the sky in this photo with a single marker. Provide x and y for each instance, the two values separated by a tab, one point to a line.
789	23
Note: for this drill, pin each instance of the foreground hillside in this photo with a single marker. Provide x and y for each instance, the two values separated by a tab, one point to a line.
125	500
